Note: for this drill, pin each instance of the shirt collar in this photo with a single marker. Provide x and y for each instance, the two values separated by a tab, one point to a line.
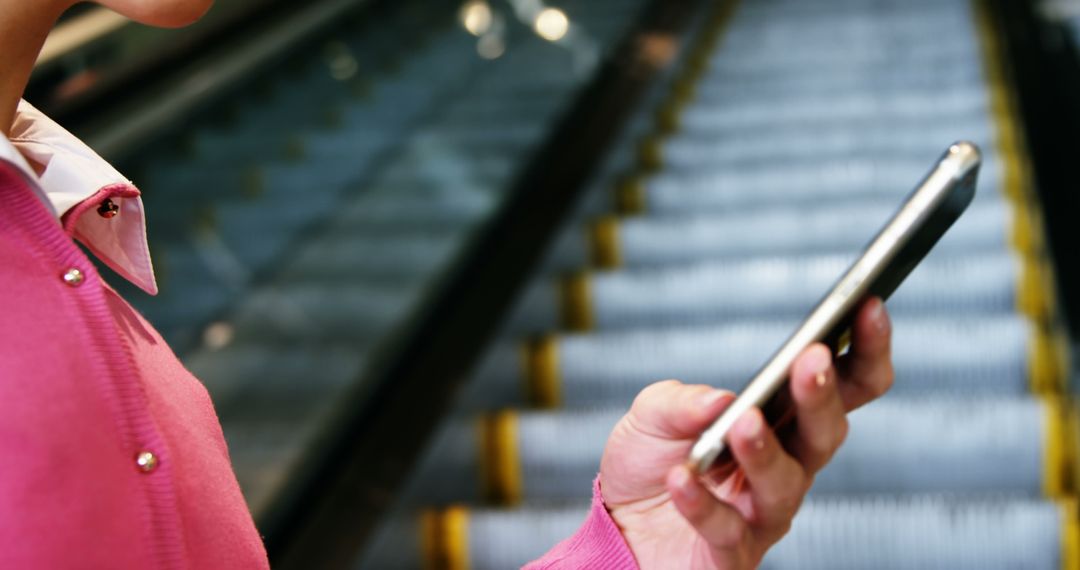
73	181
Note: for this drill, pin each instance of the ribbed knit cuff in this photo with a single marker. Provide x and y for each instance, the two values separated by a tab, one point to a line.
597	544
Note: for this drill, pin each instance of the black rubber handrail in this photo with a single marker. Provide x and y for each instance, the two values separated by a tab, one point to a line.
1045	69
142	100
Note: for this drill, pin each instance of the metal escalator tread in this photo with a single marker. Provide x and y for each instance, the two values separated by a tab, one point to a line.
778	153
966	446
906	531
988	353
886	532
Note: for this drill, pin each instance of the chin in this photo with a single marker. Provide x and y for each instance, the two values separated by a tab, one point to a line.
161	13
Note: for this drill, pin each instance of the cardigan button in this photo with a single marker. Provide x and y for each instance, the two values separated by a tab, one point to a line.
74	277
146	461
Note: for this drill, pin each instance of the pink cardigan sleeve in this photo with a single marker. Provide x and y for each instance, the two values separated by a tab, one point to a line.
598	544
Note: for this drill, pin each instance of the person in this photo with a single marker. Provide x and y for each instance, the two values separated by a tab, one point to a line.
113	456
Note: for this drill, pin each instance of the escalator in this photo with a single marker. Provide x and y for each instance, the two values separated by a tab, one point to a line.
791	133
316	225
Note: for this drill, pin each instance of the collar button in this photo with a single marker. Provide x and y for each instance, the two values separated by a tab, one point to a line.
108	209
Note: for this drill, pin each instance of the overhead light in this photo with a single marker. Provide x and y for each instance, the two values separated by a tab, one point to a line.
218	335
491	46
476	17
551	24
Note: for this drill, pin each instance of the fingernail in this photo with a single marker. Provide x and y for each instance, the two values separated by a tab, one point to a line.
751	424
712	398
820	360
820	379
877	314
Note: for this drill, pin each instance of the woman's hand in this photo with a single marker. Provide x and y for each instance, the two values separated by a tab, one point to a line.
671	519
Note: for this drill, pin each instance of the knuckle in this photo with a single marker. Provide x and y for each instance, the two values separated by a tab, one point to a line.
661	387
783	528
890	377
763	454
788	501
776	531
842	430
653	391
884	382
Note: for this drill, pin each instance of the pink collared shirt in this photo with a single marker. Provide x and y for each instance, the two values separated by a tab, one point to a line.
111	454
66	174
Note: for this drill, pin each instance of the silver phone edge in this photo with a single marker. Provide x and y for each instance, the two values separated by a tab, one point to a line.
954	165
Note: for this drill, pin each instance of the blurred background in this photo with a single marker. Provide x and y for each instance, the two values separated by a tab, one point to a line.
423	254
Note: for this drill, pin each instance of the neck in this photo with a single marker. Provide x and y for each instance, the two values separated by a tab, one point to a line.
24	25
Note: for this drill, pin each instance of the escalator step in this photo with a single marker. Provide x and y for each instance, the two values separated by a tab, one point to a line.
952	443
993	354
914	532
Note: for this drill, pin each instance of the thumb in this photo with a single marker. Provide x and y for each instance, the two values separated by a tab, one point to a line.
655	435
672	410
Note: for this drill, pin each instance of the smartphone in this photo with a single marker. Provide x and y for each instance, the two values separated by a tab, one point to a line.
902	243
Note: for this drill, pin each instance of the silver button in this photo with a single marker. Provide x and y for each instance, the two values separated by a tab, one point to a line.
146	461
74	277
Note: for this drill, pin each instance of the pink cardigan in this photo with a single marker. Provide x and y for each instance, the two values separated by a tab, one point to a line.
86	387
111	454
597	545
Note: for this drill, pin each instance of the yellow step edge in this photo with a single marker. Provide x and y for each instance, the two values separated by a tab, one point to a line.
543	386
717	26
1032	299
575	302
604	249
1048	361
1070	534
1008	134
630	199
430	527
1049	288
501	460
650	153
722	16
455	527
1036	296
697	65
1062	358
694	67
444	538
1027	230
667	116
1055	453
1015	184
684	90
697	61
1072	442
